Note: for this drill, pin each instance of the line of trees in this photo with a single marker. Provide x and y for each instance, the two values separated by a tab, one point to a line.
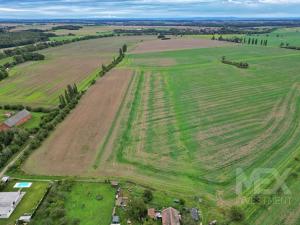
255	41
66	27
244	40
29	108
231	39
70	94
27	56
189	31
242	65
116	61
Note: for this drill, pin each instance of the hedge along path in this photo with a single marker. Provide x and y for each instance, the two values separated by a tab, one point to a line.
72	148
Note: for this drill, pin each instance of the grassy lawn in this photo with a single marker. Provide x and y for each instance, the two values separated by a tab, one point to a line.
82	203
30	200
34	121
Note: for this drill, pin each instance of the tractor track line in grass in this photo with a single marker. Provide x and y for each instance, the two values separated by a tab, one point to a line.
104	153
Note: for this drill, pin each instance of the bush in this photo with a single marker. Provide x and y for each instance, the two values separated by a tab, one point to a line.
236	214
147	196
137	210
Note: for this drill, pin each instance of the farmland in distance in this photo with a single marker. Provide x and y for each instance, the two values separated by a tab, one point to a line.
40	83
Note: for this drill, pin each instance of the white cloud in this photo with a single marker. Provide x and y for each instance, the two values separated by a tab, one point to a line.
2	9
279	1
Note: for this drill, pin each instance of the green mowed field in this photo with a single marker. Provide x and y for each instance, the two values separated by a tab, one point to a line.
191	123
40	83
92	203
28	203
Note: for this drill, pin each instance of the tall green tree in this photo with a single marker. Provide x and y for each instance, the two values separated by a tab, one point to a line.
124	48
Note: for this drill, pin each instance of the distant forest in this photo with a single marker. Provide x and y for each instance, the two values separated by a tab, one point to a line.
18	38
67	27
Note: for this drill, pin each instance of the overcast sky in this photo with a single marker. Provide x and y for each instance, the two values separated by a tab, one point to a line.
42	9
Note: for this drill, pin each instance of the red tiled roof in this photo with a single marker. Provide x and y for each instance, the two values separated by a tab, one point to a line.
170	216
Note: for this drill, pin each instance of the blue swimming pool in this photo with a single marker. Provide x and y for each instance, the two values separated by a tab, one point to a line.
23	185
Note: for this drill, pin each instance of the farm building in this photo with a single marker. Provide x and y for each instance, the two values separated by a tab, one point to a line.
8	202
18	119
170	216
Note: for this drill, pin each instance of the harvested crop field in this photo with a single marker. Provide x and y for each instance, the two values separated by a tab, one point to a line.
175	44
72	148
40	83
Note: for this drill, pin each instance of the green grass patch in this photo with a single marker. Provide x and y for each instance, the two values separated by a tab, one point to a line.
92	203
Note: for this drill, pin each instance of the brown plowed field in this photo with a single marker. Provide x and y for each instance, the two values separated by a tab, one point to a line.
175	44
72	148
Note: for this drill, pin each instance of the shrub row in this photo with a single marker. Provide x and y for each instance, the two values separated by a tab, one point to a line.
29	108
242	65
291	47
